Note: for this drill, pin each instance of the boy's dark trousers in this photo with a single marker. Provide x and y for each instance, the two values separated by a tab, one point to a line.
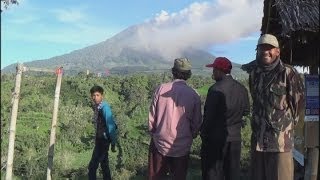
100	156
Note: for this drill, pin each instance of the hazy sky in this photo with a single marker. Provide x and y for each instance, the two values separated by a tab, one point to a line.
37	29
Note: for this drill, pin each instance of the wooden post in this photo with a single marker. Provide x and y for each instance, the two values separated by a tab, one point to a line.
312	153
311	167
268	20
54	123
14	113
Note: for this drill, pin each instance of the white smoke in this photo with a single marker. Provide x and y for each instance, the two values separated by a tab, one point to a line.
200	25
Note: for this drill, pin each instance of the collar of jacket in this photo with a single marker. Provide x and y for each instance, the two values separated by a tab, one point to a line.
179	81
269	67
225	77
100	106
277	66
270	75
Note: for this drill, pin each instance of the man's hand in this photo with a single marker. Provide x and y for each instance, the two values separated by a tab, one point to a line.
113	147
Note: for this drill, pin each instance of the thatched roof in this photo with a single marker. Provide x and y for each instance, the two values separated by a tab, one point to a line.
290	16
295	15
296	25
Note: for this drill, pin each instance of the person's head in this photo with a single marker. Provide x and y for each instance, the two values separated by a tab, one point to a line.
267	49
96	94
181	69
220	67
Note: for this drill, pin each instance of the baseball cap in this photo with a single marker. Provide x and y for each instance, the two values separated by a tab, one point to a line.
182	64
221	63
268	39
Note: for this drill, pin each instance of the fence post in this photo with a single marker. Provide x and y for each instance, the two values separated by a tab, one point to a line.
14	113
54	123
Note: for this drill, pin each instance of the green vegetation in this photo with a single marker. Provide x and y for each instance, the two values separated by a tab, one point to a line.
129	97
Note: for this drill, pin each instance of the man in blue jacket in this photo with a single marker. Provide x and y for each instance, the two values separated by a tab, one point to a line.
105	134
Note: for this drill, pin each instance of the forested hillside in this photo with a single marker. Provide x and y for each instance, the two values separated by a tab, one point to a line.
129	97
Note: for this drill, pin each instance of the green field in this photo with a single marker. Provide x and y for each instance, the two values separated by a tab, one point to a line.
129	97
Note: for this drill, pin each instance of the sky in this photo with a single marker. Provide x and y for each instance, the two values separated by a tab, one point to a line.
37	29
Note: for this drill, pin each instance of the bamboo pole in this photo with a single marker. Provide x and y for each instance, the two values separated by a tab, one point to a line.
14	113
54	123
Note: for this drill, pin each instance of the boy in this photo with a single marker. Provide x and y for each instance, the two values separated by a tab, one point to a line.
105	134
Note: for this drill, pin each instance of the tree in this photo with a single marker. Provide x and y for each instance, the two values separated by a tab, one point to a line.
6	3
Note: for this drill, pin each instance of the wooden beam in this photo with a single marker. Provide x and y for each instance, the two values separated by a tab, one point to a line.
38	69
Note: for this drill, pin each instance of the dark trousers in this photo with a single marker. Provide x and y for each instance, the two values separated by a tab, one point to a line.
272	165
232	160
100	156
220	161
160	165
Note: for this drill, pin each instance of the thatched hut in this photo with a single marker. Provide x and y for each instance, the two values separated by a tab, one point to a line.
296	25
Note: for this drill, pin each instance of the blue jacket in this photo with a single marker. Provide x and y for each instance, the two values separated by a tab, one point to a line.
106	123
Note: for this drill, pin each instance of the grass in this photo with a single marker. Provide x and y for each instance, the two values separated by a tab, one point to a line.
203	90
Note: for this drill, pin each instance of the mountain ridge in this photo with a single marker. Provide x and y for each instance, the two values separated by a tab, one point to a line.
129	48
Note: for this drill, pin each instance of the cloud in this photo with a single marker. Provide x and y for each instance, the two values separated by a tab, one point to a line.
253	37
83	35
24	20
20	14
67	25
201	25
70	15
